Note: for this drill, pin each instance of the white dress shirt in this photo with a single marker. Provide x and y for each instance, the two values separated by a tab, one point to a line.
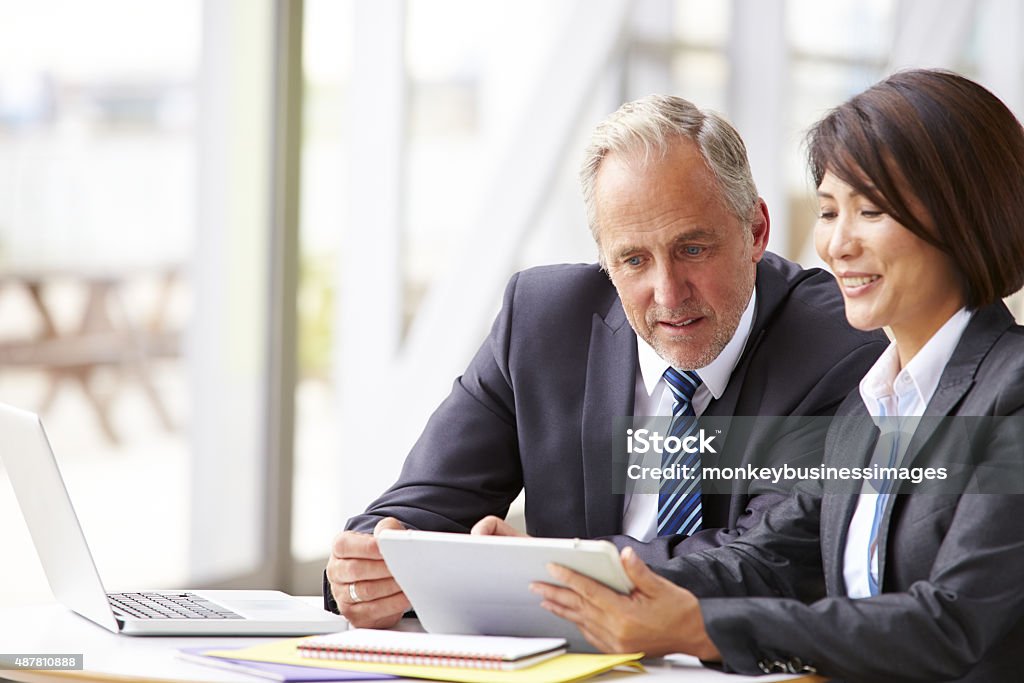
652	396
888	391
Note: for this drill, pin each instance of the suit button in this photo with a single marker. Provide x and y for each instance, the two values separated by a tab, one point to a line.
793	665
772	666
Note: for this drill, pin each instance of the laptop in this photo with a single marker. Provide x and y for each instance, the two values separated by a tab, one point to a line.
26	454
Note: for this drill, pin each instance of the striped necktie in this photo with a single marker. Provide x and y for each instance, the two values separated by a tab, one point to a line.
679	505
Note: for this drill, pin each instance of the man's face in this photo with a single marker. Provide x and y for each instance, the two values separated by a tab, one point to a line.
682	262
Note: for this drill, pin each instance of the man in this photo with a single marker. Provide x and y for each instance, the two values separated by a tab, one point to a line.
684	282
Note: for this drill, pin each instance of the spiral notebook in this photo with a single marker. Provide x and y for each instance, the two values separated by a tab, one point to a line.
429	649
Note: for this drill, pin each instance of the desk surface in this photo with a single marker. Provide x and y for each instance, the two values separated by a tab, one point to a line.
52	629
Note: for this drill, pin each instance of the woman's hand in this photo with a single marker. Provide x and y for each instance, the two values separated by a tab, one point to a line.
657	618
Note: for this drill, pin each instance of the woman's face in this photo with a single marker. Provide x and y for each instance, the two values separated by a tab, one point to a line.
887	274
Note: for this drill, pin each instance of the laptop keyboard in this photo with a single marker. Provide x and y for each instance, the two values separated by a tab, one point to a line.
168	606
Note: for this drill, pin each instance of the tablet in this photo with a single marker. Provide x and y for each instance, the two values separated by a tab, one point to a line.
479	585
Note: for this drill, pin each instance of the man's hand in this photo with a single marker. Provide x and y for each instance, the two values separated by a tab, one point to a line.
657	618
494	526
362	585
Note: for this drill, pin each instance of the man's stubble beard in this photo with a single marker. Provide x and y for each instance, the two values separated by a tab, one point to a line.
682	356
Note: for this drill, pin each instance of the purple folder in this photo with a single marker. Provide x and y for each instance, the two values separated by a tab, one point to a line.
286	673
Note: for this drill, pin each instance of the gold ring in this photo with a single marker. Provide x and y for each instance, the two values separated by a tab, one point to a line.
352	593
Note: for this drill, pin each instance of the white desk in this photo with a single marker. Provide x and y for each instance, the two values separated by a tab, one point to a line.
110	657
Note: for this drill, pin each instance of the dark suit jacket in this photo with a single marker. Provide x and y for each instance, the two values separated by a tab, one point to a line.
535	406
951	564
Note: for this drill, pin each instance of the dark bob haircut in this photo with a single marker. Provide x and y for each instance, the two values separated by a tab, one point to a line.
937	141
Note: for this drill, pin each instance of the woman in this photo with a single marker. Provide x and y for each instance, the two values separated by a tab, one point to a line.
921	189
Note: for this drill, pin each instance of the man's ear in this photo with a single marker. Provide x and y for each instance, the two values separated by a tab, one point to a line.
760	228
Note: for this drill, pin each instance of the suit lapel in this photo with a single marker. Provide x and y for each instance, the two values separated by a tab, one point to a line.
729	402
985	327
611	378
772	289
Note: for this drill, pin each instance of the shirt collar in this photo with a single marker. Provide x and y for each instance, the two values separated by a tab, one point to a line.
715	375
916	382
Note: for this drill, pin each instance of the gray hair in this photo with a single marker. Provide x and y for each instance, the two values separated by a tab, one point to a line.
647	127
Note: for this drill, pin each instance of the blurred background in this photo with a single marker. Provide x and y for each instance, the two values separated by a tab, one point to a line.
227	226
